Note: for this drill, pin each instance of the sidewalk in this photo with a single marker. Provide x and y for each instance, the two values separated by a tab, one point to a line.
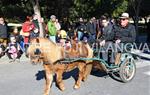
5	59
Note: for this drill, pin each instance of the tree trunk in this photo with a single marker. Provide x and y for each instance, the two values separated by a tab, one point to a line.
136	6
36	8
136	27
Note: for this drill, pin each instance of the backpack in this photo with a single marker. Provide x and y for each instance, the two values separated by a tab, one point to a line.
51	29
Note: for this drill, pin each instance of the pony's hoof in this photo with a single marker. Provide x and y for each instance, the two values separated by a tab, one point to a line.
62	88
84	79
45	94
76	87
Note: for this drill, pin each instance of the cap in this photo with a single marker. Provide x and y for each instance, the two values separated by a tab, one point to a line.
52	16
63	34
124	15
81	19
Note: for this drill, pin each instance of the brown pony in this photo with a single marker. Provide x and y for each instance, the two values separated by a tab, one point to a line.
51	55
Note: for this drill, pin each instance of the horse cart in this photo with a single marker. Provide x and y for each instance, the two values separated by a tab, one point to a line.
124	71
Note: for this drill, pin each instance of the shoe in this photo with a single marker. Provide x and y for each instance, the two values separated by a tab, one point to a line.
11	60
17	60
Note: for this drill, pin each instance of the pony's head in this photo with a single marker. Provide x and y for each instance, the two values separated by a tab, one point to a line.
43	50
35	52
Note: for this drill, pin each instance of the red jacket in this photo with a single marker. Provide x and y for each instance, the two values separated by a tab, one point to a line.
27	26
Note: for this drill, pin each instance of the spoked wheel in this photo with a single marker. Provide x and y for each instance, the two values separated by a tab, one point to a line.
127	70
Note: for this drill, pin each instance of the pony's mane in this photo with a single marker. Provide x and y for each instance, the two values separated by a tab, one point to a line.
42	41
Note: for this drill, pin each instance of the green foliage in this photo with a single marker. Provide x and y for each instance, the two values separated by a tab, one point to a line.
18	9
89	8
120	7
84	8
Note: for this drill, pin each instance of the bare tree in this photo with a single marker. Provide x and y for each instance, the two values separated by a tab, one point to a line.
136	8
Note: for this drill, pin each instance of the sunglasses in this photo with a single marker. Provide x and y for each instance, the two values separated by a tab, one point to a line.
104	22
123	19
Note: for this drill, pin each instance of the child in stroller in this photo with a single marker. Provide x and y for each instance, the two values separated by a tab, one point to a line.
13	50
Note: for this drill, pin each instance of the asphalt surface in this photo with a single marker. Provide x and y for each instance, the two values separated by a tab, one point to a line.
26	79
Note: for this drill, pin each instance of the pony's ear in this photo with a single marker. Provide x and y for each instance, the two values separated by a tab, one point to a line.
37	40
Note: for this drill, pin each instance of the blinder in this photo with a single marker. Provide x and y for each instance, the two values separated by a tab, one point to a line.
37	51
37	54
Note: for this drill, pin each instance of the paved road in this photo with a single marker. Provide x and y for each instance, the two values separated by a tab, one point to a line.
26	79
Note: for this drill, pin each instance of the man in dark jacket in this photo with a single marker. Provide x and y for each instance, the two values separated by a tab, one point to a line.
91	29
106	38
3	32
81	29
106	30
124	33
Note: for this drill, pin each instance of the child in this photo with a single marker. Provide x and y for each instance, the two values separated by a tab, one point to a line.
19	38
13	50
61	37
2	50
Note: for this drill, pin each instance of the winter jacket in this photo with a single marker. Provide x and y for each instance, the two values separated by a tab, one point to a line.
91	28
51	28
125	34
3	31
107	33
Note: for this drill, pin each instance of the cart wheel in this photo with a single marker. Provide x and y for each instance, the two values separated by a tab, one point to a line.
127	70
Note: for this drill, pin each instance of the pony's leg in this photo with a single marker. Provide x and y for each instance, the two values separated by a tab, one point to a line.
81	67
87	71
49	79
59	74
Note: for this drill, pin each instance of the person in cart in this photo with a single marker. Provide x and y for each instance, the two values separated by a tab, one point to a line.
124	34
106	39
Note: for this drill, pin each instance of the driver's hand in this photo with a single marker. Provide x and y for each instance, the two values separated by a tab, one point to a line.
102	43
118	41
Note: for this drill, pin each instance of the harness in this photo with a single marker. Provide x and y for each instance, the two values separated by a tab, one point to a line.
69	55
